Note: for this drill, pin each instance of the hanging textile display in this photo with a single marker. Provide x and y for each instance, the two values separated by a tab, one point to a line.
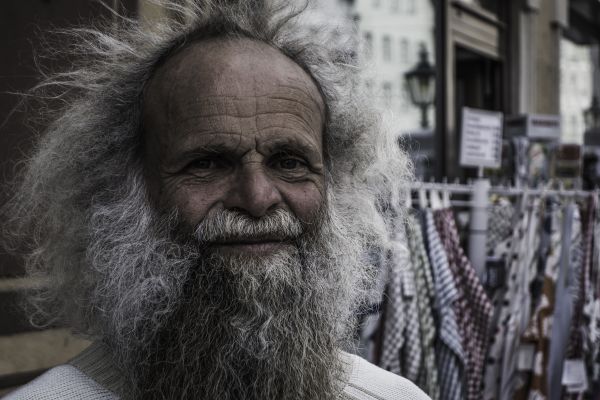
401	351
449	351
537	338
500	225
473	308
517	299
583	302
517	255
565	295
593	342
526	327
428	378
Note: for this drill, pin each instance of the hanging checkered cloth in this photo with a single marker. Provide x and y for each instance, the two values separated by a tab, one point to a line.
584	296
473	308
518	313
412	352
428	378
449	352
533	384
393	329
508	250
402	348
500	224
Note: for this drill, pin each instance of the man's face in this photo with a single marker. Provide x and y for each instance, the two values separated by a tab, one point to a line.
232	124
253	299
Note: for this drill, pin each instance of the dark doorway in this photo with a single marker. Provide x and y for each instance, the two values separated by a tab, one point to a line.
478	85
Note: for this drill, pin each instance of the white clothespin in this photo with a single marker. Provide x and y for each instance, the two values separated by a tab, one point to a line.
446	203
423	203
436	202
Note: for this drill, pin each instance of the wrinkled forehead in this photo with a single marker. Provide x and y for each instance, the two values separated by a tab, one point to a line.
229	67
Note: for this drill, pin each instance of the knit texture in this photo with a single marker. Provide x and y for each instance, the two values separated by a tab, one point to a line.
66	382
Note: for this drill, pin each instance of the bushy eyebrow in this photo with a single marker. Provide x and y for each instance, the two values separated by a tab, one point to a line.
227	148
291	145
210	148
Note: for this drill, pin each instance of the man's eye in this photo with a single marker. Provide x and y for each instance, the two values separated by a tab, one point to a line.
290	163
203	164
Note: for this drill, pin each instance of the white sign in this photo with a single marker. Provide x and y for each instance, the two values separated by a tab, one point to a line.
534	126
481	139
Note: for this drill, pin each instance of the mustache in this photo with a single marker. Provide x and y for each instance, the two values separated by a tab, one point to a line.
225	226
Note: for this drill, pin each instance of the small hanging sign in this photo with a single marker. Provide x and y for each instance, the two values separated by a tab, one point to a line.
481	138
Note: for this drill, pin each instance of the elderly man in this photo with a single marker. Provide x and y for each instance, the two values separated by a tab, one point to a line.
201	208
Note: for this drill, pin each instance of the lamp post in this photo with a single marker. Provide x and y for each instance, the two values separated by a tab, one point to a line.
592	115
421	85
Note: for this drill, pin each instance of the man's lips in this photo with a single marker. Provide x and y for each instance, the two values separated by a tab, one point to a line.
245	241
249	245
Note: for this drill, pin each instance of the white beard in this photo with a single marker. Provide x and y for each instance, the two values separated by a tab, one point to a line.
186	322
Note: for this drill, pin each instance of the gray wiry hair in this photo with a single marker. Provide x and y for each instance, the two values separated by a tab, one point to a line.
85	155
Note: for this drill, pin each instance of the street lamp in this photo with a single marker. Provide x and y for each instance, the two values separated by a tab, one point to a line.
592	115
421	85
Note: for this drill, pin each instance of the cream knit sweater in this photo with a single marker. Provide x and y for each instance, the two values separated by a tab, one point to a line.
90	376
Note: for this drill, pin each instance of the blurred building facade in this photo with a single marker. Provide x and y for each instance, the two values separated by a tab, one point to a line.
393	33
524	57
576	88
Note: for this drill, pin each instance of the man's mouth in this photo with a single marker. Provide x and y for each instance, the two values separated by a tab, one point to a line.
250	245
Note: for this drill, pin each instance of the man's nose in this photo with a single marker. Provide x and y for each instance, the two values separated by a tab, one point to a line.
254	192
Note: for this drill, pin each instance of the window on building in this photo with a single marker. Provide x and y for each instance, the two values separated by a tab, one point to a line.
404	50
574	131
387	94
395	6
412	6
376	3
387	48
368	39
490	5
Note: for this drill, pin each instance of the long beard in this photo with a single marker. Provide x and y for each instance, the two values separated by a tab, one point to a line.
206	325
243	334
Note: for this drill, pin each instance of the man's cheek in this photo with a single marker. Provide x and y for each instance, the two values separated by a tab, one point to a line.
305	200
192	203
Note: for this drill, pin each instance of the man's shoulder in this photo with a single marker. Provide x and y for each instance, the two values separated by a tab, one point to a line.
369	382
63	382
